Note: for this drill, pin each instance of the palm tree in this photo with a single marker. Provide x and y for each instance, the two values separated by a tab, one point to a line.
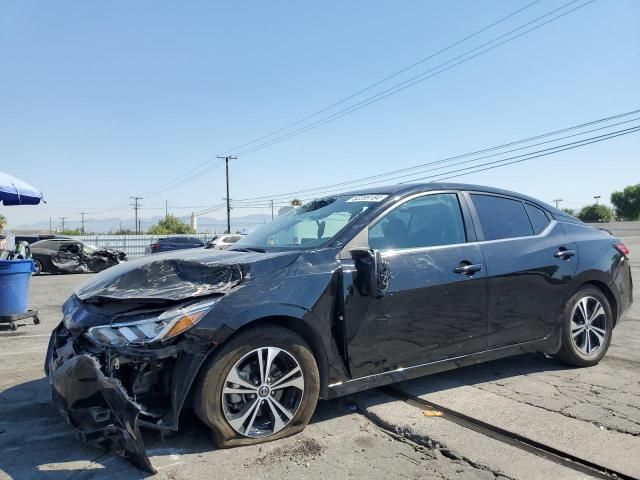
3	222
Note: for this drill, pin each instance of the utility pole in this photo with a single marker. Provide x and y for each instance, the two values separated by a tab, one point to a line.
166	208
597	197
63	219
557	201
136	206
50	225
226	162
271	209
82	214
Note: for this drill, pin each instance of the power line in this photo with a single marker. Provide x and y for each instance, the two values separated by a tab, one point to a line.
437	70
385	79
195	173
391	175
522	158
184	178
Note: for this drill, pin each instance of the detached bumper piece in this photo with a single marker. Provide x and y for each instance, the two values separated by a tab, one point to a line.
98	407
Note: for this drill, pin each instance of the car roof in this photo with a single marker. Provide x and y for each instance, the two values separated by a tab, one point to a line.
54	240
411	188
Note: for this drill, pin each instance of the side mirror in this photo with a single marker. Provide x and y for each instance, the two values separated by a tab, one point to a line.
373	272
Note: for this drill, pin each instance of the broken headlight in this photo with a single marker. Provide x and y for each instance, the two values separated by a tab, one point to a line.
162	327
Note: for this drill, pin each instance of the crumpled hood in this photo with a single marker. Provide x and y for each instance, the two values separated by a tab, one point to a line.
178	275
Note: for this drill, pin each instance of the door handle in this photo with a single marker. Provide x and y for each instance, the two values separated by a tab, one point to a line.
564	253
467	269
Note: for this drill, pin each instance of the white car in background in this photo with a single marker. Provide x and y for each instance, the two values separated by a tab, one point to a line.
222	242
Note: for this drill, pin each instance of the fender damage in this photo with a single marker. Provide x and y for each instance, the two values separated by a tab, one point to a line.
109	392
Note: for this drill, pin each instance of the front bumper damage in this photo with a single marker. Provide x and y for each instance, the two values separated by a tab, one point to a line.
103	408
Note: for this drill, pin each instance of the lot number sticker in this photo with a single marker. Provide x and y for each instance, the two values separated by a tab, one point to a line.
367	198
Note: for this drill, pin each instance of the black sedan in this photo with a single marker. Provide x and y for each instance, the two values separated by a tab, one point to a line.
168	244
342	294
67	255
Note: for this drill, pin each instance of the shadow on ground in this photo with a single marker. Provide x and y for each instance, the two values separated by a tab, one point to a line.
486	372
38	443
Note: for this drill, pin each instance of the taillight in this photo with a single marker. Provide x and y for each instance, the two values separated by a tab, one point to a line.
622	248
154	245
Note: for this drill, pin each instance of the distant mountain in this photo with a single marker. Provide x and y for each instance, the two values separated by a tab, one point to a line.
245	224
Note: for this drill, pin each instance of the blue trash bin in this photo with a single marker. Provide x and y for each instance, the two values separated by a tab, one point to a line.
14	286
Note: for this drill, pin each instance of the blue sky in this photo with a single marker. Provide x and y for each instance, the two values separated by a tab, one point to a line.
103	100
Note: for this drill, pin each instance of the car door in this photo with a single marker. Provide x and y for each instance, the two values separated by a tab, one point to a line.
435	307
530	263
68	256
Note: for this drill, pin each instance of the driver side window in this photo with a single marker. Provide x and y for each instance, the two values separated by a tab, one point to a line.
426	221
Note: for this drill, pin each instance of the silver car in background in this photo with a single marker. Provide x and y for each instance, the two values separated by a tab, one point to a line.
224	241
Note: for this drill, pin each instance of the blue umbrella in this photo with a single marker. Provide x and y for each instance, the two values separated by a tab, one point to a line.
17	192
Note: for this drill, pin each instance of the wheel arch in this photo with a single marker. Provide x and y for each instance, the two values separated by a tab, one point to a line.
42	262
294	324
607	292
305	331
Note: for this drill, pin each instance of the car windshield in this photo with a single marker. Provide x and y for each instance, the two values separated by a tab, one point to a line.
310	225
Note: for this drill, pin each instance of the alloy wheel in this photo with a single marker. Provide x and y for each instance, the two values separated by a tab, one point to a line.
262	392
588	326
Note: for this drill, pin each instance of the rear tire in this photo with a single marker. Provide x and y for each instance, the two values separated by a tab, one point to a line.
238	397
587	328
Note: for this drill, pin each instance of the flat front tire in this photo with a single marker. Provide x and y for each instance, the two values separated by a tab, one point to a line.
263	385
587	328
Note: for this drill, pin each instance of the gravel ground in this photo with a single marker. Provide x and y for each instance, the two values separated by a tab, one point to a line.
578	410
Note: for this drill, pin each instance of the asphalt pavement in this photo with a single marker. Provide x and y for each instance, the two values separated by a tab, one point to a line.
590	413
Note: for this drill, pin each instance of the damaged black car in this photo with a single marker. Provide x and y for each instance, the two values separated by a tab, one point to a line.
345	293
67	255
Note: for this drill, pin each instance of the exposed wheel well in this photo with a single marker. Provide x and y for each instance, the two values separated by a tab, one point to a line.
604	288
306	333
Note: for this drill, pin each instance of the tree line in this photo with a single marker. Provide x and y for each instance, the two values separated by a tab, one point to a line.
626	206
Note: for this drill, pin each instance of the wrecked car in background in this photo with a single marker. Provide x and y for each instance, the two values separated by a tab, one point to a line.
342	294
67	255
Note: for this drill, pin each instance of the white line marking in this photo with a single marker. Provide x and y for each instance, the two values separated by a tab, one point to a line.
170	465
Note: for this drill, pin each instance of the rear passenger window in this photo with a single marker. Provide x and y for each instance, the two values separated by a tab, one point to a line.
501	217
539	219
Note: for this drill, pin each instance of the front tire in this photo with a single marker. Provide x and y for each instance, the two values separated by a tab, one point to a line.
587	328
263	385
38	266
